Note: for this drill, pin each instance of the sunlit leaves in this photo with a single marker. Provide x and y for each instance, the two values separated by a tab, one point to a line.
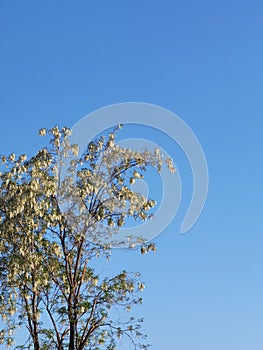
52	227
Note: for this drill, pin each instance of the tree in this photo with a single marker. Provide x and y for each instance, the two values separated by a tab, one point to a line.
52	226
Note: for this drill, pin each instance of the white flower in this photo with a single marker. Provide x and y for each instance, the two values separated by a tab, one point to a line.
110	143
42	132
75	150
136	175
132	180
12	157
23	157
95	281
141	286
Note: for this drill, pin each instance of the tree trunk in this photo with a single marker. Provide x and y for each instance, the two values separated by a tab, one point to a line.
34	317
71	336
71	324
35	334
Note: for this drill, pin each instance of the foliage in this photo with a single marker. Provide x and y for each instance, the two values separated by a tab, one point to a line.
52	226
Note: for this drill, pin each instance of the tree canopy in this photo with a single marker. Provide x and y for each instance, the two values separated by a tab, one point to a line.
52	225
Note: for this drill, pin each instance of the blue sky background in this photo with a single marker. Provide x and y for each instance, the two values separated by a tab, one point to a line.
200	59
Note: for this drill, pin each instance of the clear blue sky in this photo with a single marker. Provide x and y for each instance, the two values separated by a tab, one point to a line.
200	59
